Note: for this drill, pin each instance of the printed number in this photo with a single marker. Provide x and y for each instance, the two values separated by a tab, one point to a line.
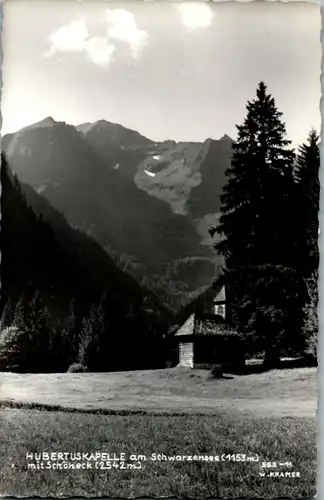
269	465
104	465
236	458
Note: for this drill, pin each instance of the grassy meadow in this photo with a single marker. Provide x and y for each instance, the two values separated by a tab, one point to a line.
271	415
278	393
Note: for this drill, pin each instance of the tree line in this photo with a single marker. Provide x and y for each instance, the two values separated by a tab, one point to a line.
32	340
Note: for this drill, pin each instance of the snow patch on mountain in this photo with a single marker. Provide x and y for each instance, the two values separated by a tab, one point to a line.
151	174
41	188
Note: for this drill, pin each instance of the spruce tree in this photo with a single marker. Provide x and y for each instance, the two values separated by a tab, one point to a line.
311	326
255	197
93	339
38	324
70	334
259	231
85	343
307	174
32	318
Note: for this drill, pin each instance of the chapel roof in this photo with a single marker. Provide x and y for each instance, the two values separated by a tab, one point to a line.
205	325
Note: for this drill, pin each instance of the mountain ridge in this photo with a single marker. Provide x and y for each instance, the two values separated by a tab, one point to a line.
151	201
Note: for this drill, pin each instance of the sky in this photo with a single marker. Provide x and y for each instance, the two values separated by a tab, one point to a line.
181	71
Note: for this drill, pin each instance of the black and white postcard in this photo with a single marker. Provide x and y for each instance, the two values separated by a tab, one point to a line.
159	248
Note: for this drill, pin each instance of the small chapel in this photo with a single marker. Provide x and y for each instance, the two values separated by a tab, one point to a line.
204	339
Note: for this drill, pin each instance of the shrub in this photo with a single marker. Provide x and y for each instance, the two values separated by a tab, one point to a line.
77	368
7	314
312	341
217	371
13	349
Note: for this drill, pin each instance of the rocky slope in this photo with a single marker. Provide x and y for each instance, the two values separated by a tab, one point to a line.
187	175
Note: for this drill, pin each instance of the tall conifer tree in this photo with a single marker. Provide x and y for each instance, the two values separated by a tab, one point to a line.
307	173
255	197
259	230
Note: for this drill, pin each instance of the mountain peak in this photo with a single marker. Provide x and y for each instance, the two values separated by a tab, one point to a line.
112	132
225	138
46	122
99	125
49	120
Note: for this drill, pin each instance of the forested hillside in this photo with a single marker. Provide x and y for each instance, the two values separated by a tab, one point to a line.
42	256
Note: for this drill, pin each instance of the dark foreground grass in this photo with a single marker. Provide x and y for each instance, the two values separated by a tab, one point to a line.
274	440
